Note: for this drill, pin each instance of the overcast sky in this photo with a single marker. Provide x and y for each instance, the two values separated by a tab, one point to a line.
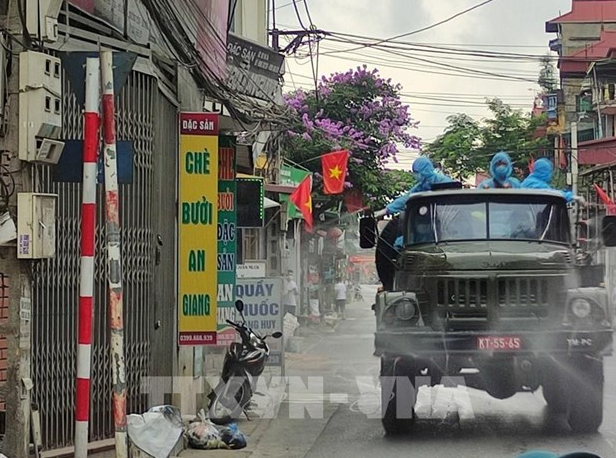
512	26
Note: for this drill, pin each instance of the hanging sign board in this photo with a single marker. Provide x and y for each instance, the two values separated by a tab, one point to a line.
262	298
197	229
227	239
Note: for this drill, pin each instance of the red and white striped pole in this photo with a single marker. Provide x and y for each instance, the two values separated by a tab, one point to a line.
88	236
114	257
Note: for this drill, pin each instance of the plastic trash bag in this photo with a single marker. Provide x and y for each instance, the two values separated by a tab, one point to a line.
202	434
233	437
171	413
156	432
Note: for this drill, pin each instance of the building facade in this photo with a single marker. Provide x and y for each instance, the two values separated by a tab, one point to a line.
158	77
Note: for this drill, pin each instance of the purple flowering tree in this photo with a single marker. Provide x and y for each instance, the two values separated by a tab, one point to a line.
358	111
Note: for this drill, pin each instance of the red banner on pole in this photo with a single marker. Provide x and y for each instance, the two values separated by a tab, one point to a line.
611	207
334	171
303	200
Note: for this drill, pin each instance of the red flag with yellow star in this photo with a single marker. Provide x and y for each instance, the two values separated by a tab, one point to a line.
303	200
611	207
334	171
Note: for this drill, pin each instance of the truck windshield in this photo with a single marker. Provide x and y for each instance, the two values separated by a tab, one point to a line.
447	221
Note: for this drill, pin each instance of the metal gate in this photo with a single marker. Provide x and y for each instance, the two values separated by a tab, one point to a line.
56	281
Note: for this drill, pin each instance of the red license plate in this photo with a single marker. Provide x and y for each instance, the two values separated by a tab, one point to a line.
499	343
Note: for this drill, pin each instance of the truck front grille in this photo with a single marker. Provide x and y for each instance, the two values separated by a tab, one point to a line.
476	302
523	292
463	293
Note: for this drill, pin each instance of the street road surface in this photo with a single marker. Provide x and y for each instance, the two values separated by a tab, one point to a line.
452	422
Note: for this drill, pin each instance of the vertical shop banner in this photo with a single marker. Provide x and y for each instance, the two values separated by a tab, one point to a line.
227	239
262	299
197	231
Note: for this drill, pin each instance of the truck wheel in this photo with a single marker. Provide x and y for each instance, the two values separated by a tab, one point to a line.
398	396
586	401
555	387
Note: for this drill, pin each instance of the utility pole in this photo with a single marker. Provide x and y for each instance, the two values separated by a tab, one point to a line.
574	158
17	327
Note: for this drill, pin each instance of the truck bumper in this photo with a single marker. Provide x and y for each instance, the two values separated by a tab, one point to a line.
433	344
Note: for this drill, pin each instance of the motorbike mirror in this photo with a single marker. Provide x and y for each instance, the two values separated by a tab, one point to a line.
239	305
277	335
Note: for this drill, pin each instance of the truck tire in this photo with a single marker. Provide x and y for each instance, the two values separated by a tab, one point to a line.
586	400
555	387
398	396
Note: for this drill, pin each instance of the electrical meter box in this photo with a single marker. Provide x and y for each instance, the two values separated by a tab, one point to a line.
36	225
40	107
42	19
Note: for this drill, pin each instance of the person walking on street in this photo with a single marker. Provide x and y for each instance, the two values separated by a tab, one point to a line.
340	292
290	294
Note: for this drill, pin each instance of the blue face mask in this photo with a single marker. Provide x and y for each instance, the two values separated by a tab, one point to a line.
501	171
417	176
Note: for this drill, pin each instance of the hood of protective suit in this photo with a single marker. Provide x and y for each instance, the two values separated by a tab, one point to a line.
543	170
423	168
501	167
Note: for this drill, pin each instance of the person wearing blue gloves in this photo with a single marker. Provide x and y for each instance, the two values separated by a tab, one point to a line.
390	241
501	170
425	175
541	176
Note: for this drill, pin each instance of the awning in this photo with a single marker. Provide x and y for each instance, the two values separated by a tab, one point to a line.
282	189
269	203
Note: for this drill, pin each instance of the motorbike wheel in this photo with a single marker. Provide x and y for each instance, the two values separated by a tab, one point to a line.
228	400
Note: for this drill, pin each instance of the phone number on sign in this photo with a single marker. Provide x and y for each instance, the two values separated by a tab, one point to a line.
197	338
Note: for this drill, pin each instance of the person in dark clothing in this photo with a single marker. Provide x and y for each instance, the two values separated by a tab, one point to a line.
386	253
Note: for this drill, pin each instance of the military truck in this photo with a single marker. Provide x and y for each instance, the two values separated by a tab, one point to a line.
486	292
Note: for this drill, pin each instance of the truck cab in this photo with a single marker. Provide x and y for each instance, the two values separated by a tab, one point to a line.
487	293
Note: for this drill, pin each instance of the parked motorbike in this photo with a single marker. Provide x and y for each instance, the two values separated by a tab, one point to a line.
358	296
244	362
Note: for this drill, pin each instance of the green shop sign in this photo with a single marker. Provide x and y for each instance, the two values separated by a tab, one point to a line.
291	176
227	237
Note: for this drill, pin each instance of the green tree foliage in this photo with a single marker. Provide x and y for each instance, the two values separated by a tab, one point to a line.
467	146
358	111
457	148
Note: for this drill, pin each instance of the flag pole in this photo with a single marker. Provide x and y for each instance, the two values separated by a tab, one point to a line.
88	237
114	258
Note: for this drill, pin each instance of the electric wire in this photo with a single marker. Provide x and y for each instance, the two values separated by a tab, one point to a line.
423	29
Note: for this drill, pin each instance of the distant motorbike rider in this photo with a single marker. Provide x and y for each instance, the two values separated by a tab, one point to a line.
541	176
501	170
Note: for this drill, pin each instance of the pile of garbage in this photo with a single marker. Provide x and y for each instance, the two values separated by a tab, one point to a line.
158	432
203	434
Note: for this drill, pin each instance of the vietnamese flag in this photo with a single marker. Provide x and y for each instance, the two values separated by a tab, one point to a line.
334	171
611	207
303	200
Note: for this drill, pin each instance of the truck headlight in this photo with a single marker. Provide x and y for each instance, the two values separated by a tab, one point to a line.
405	309
581	308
